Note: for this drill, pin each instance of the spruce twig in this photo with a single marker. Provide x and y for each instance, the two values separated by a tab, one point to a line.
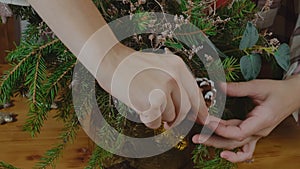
68	135
4	165
97	158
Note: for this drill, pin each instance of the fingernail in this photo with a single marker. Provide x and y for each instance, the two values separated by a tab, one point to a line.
198	139
202	139
213	125
223	155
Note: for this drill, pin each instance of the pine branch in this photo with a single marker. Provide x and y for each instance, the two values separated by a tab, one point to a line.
36	75
10	79
31	46
4	165
205	157
97	158
52	85
231	69
15	76
35	71
65	105
68	135
38	110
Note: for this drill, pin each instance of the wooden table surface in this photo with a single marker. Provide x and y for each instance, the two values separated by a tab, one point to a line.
20	149
280	150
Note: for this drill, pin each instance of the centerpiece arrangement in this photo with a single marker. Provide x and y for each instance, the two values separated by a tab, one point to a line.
42	68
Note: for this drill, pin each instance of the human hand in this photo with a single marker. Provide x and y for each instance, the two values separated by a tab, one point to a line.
159	87
275	101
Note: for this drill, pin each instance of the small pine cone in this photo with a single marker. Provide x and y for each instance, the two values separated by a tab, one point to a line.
209	91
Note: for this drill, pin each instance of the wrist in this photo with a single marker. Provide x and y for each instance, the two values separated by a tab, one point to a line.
295	81
293	84
110	63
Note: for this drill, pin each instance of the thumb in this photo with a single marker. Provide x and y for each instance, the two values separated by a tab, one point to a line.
239	89
152	117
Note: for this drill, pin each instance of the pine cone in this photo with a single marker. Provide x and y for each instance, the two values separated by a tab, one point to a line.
209	91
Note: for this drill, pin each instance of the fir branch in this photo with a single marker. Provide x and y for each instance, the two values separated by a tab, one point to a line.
35	81
14	76
205	157
4	165
34	47
38	110
65	105
54	41
10	79
51	87
97	158
68	135
231	68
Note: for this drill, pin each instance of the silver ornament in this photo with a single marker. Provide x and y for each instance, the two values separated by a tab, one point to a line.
6	117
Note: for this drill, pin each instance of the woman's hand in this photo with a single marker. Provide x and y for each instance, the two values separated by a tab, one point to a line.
275	101
247	146
159	87
163	88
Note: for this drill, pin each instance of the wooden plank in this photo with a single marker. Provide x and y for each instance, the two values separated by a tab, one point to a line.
4	44
18	148
280	150
9	36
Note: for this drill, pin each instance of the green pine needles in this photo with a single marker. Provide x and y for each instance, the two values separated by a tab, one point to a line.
42	68
208	158
4	165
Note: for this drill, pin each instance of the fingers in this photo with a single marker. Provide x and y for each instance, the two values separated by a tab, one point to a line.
190	86
181	103
153	124
245	154
195	97
152	117
169	113
251	126
239	89
202	113
234	122
175	106
201	116
219	142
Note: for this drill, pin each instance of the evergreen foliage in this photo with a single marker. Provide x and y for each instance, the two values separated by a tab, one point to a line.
42	69
4	165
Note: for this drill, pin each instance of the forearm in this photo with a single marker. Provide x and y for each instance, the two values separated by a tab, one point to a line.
77	24
72	21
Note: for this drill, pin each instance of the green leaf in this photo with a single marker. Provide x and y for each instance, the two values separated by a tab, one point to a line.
250	37
250	66
282	56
